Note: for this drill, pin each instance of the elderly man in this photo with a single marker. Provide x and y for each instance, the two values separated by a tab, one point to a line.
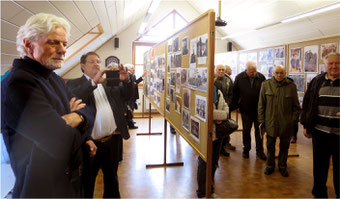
321	121
278	111
225	85
110	124
228	70
43	124
246	94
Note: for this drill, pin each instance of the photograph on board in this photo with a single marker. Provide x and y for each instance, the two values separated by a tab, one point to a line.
185	119
201	107
195	128
311	58
186	98
184	77
328	48
295	63
280	53
299	80
193	53
185	46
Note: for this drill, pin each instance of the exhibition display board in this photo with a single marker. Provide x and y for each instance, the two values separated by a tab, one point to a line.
180	77
303	60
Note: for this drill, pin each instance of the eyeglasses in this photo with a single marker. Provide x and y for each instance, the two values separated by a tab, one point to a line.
279	73
93	62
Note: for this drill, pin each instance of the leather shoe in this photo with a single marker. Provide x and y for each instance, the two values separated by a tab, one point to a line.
245	154
261	155
225	153
284	172
230	147
133	127
268	170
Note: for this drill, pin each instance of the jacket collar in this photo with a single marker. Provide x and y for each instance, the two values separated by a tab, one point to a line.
32	66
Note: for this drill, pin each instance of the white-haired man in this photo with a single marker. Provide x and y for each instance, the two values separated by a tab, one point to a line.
321	121
278	111
43	124
245	97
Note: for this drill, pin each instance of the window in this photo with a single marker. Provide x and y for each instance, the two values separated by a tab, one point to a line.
167	26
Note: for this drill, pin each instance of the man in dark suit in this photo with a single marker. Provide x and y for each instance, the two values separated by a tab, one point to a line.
110	124
43	125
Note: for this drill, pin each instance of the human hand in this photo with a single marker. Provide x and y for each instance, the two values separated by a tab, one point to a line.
307	135
143	75
338	114
123	73
76	104
92	147
98	78
72	119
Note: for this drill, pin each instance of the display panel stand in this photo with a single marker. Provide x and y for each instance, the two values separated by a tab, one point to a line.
149	133
143	109
165	164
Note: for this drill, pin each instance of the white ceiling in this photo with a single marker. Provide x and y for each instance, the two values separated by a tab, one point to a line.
116	15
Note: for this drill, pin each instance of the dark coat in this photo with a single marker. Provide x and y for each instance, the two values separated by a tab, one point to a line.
41	146
246	97
310	103
83	89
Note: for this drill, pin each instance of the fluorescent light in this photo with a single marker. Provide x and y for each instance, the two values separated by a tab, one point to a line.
153	6
142	28
313	12
237	34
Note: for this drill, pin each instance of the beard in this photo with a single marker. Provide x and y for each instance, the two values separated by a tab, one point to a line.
54	64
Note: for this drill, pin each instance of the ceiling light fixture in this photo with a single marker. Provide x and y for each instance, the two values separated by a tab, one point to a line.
313	12
154	5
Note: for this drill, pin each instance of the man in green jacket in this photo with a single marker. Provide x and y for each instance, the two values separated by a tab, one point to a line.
278	111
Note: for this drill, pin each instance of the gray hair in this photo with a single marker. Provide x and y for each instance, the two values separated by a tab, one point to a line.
330	54
250	64
37	26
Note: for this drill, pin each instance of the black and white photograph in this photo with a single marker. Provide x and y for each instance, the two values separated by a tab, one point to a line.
172	78
311	58
252	57
168	87
280	53
172	60
270	69
153	64
299	80
295	62
175	45
309	78
169	46
202	49
192	73
178	80
193	53
161	61
185	119
184	77
322	68
195	128
167	105
328	48
185	46
169	62
201	79
158	101
270	55
263	56
178	104
172	95
201	107
177	60
186	98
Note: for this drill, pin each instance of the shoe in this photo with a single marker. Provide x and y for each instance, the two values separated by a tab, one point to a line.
261	155
268	170
225	153
293	140
230	147
245	154
214	195
133	127
284	172
133	121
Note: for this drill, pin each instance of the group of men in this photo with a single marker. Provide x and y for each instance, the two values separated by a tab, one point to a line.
272	106
58	135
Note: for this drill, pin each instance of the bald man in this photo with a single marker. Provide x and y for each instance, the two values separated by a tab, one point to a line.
278	111
245	97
